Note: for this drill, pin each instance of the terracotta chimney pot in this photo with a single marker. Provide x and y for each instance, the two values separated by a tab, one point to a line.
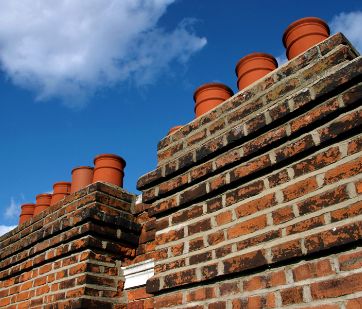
42	202
82	176
27	211
210	95
253	67
303	34
109	168
60	190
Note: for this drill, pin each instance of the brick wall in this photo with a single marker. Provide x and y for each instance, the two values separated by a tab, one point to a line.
70	255
258	203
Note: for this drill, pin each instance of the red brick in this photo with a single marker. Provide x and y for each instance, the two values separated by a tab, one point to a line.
149	195
244	262
264	140
276	278
209	271
270	301
136	305
4	301
359	187
250	167
312	270
223	218
344	171
26	286
227	158
210	147
355	145
214	204
278	178
305	225
216	126
354	303
197	137
188	214
322	200
282	215
263	238
279	110
256	123
200	226
223	251
193	193
296	147
229	288
196	244
254	283
244	192
314	115
292	296
180	278
201	294
217	305
200	258
282	89
247	227
201	171
316	162
44	269
168	300
286	250
255	205
169	236
243	108
350	211
80	268
163	206
341	125
350	261
170	152
337	287
251	302
173	184
215	238
300	188
217	182
138	293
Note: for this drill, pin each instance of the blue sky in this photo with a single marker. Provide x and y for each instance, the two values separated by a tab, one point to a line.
104	76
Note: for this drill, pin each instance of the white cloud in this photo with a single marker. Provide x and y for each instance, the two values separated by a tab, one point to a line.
281	59
70	48
13	210
5	228
350	24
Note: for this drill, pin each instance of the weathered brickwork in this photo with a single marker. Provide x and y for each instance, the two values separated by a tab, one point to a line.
263	190
256	204
328	282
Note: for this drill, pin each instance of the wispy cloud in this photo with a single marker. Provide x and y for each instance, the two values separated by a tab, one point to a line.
13	210
69	49
6	228
350	24
281	59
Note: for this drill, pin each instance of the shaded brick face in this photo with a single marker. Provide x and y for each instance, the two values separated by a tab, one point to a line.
271	177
